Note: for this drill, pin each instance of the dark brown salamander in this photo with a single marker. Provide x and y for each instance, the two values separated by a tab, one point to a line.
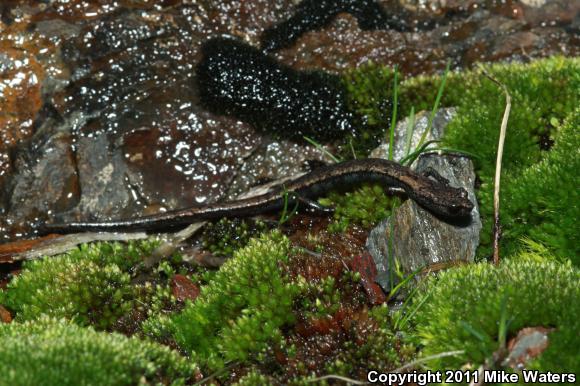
434	195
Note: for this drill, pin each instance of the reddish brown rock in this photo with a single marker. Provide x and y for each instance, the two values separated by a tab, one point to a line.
365	265
530	343
183	288
5	316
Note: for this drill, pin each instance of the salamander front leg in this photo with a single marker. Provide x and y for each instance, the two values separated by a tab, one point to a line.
430	172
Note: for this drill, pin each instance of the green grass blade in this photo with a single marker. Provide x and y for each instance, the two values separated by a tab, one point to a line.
436	104
322	149
409	133
394	116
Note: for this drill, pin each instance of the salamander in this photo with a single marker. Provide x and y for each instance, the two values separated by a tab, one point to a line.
434	195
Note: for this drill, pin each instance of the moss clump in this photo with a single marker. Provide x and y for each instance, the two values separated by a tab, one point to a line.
369	90
464	306
543	201
254	378
364	206
50	352
321	299
90	285
481	107
544	93
240	312
226	236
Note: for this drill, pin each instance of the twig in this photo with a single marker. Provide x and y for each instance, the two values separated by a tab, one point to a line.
500	146
398	370
480	377
170	244
427	359
215	374
337	377
62	244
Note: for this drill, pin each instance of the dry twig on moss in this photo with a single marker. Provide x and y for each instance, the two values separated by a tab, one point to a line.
500	146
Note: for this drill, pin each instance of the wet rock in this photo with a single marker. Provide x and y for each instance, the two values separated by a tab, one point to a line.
274	161
440	122
415	238
139	139
310	15
20	90
507	46
102	177
21	77
46	184
460	32
121	74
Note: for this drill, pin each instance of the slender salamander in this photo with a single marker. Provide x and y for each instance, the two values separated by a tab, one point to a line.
434	195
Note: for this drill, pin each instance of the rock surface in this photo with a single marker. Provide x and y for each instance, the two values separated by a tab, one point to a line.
414	238
464	32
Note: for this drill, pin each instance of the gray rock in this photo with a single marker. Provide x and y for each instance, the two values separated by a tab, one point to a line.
416	237
275	161
47	186
102	177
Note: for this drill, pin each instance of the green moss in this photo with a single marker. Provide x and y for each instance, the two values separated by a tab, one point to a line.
254	378
50	352
228	235
153	303
240	312
543	93
464	306
370	89
365	206
542	202
320	299
369	93
89	285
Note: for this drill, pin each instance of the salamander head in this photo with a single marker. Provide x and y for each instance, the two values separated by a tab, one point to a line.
445	201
